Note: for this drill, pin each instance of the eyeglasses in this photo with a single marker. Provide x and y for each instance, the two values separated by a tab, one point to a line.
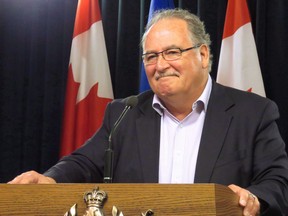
170	54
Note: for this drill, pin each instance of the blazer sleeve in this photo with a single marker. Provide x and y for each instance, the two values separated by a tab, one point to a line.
86	164
270	165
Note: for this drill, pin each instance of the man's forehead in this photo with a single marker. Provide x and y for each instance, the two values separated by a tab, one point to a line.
168	23
167	29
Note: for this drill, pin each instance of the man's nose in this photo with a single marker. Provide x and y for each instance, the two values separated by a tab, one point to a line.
161	63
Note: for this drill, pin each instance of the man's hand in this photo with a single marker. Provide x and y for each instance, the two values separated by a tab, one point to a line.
248	200
32	177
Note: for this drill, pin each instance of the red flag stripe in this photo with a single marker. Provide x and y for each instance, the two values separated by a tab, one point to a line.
68	127
83	21
237	15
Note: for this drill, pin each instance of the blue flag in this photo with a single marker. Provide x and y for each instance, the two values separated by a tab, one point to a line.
154	5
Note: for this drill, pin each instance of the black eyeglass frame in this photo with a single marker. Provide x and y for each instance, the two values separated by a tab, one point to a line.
161	52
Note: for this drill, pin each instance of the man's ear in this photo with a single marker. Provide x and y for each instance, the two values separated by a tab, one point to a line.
204	52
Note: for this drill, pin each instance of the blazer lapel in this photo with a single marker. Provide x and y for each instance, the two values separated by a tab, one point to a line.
216	125
148	135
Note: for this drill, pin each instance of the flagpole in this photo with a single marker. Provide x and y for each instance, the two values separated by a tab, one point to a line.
119	33
180	4
142	21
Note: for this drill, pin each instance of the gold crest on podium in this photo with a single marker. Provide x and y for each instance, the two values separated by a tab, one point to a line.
94	201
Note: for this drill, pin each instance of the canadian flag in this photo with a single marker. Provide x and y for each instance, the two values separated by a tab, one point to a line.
89	87
238	62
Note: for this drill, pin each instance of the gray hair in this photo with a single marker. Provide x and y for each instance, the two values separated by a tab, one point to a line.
195	26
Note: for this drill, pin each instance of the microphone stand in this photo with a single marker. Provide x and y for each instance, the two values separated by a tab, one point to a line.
109	153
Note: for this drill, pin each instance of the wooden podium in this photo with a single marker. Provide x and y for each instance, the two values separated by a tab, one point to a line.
131	199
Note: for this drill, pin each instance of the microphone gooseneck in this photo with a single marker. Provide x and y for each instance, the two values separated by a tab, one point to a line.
109	154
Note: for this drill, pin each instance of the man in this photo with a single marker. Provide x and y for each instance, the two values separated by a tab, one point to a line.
188	129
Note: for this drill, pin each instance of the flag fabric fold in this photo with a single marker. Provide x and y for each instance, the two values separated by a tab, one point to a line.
89	86
154	6
238	62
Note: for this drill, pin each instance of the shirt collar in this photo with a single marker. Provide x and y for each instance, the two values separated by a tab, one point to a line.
204	98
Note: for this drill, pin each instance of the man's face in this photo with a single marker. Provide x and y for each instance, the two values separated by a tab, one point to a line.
184	76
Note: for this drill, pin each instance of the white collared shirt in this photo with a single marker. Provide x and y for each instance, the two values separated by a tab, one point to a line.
180	140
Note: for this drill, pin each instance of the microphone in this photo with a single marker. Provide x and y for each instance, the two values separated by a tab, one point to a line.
131	102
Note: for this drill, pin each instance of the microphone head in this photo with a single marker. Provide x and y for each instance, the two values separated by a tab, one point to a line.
132	101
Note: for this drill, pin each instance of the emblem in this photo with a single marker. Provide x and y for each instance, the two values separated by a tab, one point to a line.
94	201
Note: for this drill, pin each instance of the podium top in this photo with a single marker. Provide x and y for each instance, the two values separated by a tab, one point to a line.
131	199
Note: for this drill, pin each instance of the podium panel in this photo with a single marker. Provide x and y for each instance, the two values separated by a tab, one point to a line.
131	199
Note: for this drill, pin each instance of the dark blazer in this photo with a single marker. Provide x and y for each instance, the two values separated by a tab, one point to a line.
240	145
